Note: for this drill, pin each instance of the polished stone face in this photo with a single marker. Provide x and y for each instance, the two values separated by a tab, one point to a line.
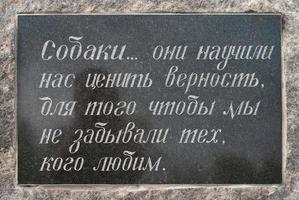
248	149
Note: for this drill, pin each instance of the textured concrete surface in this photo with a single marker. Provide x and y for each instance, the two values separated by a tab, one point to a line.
8	189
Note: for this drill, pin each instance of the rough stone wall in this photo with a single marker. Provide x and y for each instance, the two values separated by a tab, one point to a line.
8	188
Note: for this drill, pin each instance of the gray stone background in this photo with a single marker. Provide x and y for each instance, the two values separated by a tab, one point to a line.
289	190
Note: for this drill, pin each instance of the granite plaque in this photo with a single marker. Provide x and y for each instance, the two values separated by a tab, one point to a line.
149	99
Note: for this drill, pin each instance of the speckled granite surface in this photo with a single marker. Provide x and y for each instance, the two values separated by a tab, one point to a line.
8	189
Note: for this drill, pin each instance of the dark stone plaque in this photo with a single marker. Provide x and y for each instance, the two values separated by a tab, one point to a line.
149	99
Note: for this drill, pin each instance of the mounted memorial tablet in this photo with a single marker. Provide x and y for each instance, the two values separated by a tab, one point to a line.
149	99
